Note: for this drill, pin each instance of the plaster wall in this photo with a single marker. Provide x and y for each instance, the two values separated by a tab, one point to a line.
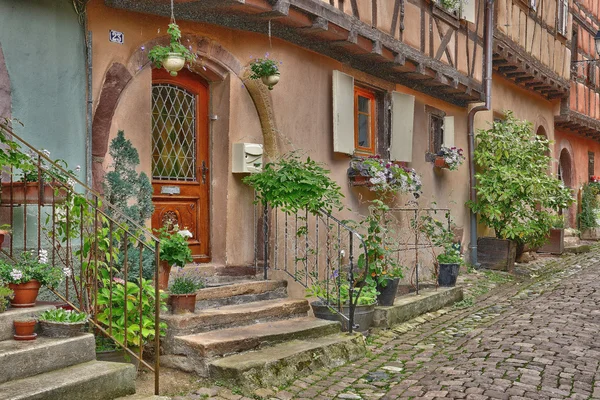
302	109
44	51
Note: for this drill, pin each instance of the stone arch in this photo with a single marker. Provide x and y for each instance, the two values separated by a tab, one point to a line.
214	63
5	92
566	172
541	124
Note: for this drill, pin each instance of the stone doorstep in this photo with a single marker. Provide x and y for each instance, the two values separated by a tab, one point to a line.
219	274
22	359
280	364
241	292
93	380
144	397
412	305
7	318
201	349
231	316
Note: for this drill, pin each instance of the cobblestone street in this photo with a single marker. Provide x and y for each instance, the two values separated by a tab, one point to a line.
530	338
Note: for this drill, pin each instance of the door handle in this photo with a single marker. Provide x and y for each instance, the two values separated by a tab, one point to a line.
204	172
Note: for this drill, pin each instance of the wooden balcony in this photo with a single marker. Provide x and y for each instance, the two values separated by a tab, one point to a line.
412	43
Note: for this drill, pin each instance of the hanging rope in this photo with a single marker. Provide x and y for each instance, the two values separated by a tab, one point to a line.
270	44
172	13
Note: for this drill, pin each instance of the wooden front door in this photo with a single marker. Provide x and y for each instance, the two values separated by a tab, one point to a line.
180	175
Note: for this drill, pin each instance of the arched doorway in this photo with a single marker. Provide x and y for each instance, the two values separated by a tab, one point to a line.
180	156
565	174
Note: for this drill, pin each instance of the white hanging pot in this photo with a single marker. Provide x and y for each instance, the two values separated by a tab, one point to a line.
173	63
270	80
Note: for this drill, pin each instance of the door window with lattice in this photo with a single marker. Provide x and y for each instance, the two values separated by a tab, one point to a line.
173	133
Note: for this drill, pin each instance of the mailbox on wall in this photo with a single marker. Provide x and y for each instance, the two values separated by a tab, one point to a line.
247	157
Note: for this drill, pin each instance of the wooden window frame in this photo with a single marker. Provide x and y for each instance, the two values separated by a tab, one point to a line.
432	113
562	17
591	163
372	149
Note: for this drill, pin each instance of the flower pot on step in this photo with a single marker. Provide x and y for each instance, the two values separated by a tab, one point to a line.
363	315
61	329
182	303
24	330
25	293
447	274
387	293
29	193
497	254
164	270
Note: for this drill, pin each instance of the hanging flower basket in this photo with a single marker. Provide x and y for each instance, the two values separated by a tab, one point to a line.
449	158
173	56
439	162
267	70
29	193
174	63
270	80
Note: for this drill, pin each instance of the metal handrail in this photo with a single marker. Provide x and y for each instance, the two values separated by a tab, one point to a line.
117	222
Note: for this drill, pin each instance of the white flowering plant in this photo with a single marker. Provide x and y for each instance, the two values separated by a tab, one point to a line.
31	265
453	157
174	247
385	175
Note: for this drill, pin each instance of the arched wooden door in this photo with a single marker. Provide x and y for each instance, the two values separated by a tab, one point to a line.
180	175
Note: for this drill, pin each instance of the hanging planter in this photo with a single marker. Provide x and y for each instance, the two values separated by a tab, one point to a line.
171	57
267	70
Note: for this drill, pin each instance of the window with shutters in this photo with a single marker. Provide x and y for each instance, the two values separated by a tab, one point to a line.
591	163
364	121
436	129
562	17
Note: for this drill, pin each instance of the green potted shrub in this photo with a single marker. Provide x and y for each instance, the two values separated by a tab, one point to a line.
173	56
337	291
174	251
182	292
515	194
267	70
449	259
62	323
27	275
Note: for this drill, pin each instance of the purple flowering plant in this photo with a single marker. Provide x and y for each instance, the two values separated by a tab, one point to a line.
385	175
453	156
264	67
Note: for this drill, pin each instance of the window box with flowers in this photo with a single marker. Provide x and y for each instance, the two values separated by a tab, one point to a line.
383	176
449	158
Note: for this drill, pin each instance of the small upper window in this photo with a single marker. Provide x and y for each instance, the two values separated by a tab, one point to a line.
364	121
436	129
533	4
562	17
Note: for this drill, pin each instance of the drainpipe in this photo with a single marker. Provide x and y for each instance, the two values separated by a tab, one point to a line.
488	38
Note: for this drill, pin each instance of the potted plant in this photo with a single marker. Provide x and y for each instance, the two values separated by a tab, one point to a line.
589	216
515	195
174	251
556	237
449	158
337	292
24	328
182	292
449	260
173	56
26	276
140	323
266	69
62	323
6	294
383	176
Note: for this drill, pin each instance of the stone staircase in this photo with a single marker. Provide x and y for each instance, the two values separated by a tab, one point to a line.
61	368
251	334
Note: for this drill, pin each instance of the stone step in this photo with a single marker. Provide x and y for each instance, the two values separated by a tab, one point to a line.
7	318
216	273
230	316
93	380
144	397
282	363
22	359
200	349
240	292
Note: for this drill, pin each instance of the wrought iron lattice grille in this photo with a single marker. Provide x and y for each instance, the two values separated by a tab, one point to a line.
173	133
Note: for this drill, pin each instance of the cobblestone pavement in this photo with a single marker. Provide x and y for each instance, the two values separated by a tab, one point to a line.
533	337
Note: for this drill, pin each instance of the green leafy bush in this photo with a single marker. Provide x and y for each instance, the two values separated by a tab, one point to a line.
590	206
5	296
440	235
294	185
174	247
515	194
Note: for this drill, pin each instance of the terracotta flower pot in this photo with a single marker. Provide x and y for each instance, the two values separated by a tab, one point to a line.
359	180
164	269
440	162
3	234
25	293
180	303
29	193
24	330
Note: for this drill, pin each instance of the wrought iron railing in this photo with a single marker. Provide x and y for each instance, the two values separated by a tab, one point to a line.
100	250
314	249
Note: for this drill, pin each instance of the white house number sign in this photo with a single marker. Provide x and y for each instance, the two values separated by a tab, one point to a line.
116	37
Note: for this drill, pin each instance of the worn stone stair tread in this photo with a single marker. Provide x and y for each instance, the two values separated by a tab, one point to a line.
7	318
285	361
238	289
144	397
238	312
232	340
21	359
93	380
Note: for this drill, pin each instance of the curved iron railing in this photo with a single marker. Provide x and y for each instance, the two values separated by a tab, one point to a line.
90	239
